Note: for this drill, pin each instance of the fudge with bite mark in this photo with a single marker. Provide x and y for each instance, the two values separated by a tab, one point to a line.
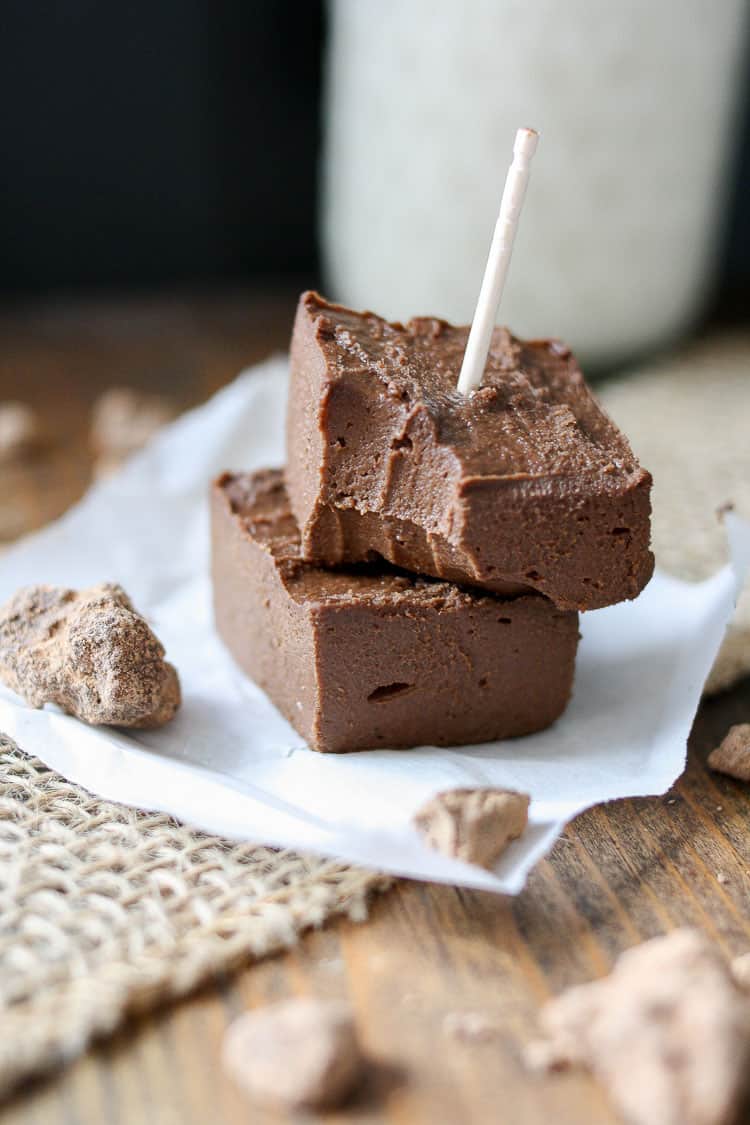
524	484
369	656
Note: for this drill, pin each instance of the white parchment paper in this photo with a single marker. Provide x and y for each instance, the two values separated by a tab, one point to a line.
230	764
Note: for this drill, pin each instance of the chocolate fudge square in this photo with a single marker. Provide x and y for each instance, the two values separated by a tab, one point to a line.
522	484
370	657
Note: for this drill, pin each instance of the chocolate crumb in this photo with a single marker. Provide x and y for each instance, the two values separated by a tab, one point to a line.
475	825
298	1054
122	421
667	1033
89	652
740	968
732	756
20	431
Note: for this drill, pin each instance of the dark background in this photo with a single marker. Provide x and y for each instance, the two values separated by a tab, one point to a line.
176	141
157	141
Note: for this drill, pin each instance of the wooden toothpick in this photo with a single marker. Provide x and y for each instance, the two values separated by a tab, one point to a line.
496	271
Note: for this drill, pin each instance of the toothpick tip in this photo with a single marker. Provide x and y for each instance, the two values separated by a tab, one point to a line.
525	143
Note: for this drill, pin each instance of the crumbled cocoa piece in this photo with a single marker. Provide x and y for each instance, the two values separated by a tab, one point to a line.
475	825
299	1054
733	755
740	967
667	1033
20	430
122	421
90	652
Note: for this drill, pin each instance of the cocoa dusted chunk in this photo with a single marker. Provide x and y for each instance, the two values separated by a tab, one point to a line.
522	484
298	1054
732	755
21	431
90	652
122	421
372	657
667	1033
475	825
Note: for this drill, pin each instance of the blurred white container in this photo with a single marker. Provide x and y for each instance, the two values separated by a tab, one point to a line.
635	102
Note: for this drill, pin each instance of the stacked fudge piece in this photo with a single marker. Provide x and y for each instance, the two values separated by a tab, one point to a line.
414	575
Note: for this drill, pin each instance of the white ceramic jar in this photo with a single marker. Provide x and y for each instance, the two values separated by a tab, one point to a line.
635	102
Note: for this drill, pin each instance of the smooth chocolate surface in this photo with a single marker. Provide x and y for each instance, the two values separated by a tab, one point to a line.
370	657
525	483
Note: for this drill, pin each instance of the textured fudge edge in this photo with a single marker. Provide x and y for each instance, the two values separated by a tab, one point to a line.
241	573
306	457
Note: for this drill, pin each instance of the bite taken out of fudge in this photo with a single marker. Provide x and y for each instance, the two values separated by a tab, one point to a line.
371	657
524	484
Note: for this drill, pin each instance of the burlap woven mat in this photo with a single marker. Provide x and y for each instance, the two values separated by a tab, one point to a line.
104	910
688	419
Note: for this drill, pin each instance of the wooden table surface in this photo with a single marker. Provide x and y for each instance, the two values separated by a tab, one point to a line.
621	873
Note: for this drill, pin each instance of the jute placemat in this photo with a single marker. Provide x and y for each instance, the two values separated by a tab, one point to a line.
688	419
106	910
